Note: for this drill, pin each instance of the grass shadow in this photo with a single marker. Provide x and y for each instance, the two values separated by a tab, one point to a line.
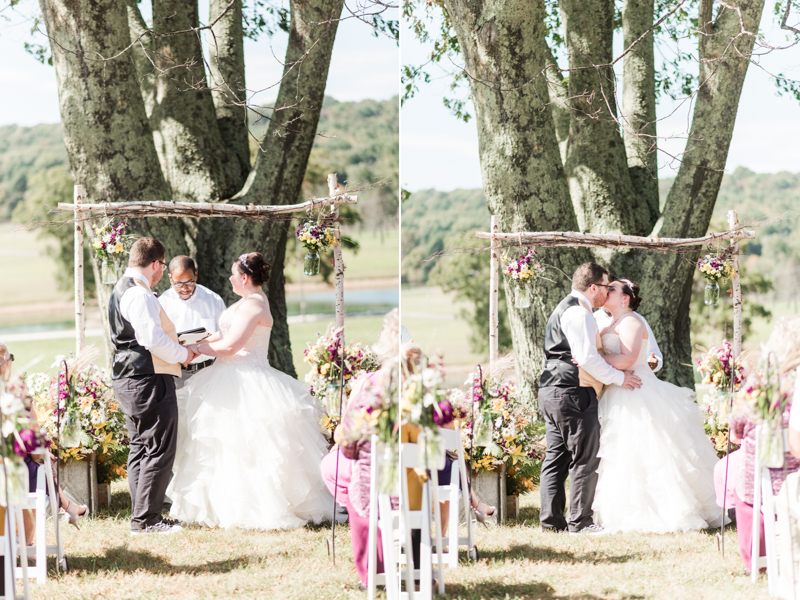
123	560
496	590
547	554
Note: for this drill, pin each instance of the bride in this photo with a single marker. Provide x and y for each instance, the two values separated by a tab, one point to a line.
656	464
251	446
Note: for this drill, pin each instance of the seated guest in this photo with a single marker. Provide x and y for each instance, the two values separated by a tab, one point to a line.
190	305
71	510
784	343
352	485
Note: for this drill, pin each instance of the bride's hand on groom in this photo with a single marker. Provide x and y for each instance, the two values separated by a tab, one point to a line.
631	381
192	354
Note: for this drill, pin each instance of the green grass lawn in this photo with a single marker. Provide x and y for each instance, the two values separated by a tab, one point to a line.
26	272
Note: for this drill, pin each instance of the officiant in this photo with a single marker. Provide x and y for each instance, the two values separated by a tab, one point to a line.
190	305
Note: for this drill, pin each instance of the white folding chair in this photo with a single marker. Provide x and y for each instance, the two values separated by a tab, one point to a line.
458	487
38	500
764	505
411	457
383	518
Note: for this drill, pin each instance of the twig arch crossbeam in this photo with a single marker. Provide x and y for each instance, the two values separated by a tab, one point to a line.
84	212
574	239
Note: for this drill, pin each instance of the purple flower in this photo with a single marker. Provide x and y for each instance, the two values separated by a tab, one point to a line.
29	442
444	413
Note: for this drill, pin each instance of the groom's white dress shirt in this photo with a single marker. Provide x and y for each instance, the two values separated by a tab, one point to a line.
202	309
580	329
140	307
603	320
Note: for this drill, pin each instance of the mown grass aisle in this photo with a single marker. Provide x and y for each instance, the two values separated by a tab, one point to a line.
520	561
517	561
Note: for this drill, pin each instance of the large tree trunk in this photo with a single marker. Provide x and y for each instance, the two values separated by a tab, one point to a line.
639	105
687	213
116	155
504	49
596	165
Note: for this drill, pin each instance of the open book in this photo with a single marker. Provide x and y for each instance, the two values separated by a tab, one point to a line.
192	336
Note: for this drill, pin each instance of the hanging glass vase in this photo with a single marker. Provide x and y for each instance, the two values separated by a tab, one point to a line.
483	430
522	296
70	431
770	444
332	400
723	407
711	293
311	264
108	271
433	452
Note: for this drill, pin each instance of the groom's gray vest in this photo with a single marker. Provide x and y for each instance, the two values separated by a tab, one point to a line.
559	369
130	357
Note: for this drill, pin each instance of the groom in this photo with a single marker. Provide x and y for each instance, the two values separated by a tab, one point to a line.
568	401
147	359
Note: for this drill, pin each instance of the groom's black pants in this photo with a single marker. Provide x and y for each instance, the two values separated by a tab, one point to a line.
572	432
151	416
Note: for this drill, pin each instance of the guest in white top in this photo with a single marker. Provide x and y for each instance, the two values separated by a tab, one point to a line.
654	356
190	305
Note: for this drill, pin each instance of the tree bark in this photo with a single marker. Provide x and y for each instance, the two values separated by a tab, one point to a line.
559	103
687	213
278	173
639	105
143	55
503	44
596	165
226	63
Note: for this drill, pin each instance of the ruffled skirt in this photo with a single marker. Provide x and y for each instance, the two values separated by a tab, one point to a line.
249	451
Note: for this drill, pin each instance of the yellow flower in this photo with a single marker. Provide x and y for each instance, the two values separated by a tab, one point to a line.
325	368
98	243
118	248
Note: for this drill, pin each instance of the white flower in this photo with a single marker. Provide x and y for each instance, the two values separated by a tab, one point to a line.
10	405
428	399
431	377
498	422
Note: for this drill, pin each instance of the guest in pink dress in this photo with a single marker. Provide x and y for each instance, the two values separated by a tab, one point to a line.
352	486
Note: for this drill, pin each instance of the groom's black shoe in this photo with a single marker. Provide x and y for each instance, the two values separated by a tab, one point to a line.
590	530
160	528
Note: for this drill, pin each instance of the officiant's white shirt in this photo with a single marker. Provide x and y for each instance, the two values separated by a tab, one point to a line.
580	329
139	306
202	309
604	320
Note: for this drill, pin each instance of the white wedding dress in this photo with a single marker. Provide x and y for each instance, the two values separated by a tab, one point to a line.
249	445
656	463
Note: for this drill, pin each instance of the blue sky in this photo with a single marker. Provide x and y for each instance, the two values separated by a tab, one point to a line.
363	66
437	151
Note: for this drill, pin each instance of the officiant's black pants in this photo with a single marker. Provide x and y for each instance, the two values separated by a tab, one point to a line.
572	432
151	416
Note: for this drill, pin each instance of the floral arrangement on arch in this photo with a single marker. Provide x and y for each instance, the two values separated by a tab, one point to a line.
524	270
715	411
716	267
716	367
325	359
20	435
316	236
517	438
110	241
768	392
83	396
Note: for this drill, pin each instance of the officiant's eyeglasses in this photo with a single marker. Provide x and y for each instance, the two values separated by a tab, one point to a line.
183	285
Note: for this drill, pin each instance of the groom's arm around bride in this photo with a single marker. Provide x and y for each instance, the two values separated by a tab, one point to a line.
147	359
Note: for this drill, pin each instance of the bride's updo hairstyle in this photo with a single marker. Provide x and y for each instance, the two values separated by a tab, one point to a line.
254	265
631	290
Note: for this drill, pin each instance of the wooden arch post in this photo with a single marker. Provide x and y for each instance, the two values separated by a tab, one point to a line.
80	321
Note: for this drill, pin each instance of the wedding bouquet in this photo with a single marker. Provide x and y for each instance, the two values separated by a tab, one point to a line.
91	420
716	367
325	358
19	436
523	272
515	439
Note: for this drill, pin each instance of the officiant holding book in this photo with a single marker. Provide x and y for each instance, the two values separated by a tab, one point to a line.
190	306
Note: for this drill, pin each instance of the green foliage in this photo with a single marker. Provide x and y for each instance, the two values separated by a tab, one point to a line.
45	190
23	152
